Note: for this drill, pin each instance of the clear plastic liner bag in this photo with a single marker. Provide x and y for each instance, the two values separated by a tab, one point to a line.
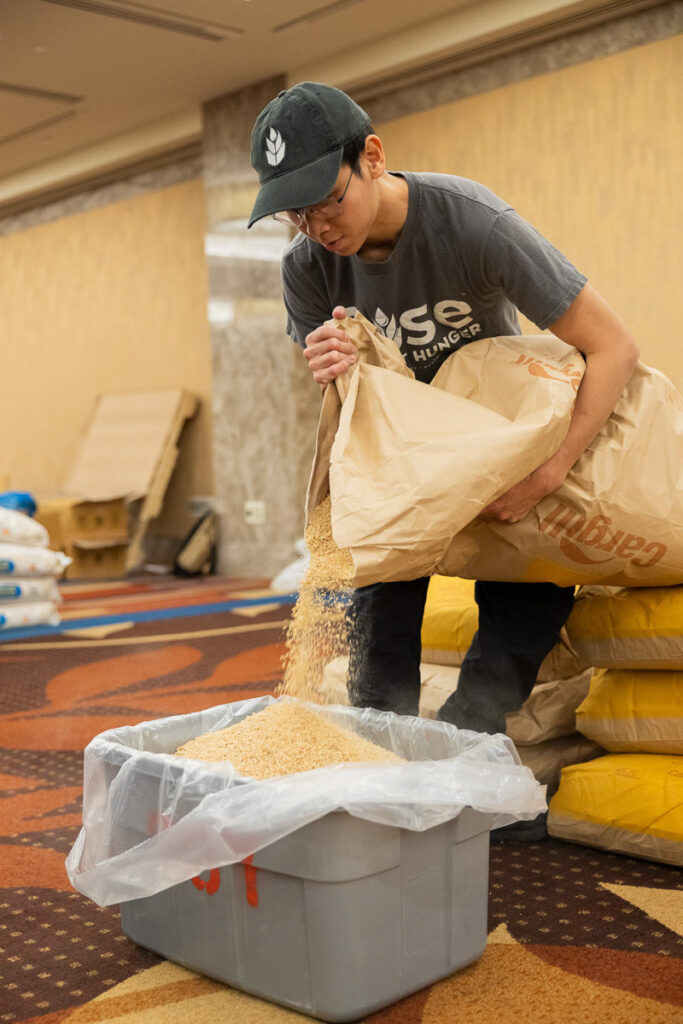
152	820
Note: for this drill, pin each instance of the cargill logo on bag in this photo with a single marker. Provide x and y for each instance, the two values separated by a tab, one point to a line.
596	540
539	368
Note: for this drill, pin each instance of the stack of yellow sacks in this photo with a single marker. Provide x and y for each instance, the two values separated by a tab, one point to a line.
604	722
631	798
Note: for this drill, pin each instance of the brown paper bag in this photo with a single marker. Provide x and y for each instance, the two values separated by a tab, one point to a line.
547	759
411	464
548	713
372	348
618	517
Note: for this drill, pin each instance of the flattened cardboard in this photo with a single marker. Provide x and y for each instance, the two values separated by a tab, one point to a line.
118	481
126	441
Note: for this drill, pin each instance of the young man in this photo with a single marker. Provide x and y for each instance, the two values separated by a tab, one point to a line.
436	262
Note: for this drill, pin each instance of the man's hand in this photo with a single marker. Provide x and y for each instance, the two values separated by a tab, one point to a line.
516	503
329	351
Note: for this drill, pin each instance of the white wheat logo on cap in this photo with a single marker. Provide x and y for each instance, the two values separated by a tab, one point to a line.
275	148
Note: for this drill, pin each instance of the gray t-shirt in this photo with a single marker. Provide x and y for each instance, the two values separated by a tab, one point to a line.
465	262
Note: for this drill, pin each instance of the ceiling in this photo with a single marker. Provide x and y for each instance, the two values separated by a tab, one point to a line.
75	73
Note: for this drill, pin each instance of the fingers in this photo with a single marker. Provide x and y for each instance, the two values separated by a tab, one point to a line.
501	511
324	334
326	361
515	504
500	517
329	351
507	517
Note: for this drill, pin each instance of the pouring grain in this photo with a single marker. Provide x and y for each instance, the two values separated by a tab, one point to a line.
318	629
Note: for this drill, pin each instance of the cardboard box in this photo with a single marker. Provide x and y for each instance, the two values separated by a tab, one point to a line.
129	446
96	560
67	518
94	534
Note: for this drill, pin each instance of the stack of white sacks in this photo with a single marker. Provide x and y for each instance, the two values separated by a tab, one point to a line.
29	570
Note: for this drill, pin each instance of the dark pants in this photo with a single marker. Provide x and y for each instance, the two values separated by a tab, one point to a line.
519	623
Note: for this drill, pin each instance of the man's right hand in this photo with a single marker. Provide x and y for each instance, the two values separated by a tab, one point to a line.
329	351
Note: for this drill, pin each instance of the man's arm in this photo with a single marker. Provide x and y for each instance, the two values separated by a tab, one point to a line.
593	327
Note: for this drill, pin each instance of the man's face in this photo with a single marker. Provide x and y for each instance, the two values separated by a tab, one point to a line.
342	226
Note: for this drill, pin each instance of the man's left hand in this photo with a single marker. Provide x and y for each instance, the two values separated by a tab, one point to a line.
515	504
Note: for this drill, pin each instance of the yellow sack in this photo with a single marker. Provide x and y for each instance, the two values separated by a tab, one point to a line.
634	710
631	803
450	621
636	628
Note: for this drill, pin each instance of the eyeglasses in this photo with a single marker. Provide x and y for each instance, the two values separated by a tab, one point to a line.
328	208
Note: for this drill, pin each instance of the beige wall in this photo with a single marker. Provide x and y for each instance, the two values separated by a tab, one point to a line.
591	155
113	299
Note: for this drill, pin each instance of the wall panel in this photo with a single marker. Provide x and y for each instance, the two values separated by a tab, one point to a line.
591	155
111	299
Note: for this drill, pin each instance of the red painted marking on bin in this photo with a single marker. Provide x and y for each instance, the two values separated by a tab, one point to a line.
250	881
213	883
157	822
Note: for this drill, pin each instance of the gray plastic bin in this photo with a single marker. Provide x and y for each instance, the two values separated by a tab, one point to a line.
336	920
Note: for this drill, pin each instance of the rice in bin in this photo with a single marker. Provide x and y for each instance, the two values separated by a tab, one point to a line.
283	739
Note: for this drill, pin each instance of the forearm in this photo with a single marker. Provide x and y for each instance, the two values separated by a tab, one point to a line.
607	374
611	355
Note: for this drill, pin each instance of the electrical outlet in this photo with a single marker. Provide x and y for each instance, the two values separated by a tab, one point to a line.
255	513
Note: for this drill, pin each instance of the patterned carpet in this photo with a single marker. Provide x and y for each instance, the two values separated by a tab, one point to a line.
575	934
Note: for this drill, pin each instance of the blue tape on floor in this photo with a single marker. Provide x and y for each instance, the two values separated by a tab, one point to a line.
184	612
